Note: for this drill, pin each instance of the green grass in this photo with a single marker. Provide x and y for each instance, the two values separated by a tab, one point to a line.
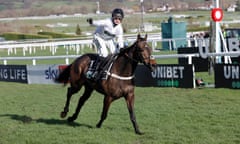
29	114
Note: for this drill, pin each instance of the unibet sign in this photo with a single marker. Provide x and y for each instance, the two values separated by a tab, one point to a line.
227	76
166	76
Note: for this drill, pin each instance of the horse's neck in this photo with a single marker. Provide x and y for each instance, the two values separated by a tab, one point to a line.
125	65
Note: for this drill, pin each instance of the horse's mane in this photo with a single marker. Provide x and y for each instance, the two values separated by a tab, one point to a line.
126	49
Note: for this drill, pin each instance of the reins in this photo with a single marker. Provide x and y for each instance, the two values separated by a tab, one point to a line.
132	59
121	77
117	76
141	58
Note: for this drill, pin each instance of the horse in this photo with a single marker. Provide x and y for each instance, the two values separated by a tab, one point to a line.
120	81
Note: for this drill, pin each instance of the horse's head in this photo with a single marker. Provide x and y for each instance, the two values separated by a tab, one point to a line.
144	52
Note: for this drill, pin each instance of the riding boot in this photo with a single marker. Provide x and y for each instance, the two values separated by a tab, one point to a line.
93	69
104	67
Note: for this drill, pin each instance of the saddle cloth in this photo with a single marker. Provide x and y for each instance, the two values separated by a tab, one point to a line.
98	67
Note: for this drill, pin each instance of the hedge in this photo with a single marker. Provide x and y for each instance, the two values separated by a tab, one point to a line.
21	36
56	35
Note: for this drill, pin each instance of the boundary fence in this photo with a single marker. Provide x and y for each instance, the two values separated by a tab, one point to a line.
67	57
79	44
227	75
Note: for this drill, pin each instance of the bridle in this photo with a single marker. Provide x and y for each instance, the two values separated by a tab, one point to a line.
140	58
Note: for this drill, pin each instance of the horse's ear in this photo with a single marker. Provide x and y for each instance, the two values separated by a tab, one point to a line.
138	36
146	36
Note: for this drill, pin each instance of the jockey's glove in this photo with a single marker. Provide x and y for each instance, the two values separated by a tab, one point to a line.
122	49
90	20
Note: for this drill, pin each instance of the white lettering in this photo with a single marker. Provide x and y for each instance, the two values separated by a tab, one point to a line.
227	73
235	72
17	74
168	72
231	72
3	74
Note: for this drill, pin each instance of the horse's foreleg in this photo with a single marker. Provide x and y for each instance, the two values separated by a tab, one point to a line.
130	105
87	93
106	104
70	92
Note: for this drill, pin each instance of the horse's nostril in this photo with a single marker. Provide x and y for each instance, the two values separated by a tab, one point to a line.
154	66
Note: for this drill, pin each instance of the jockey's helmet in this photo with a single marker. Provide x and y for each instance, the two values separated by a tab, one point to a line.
118	13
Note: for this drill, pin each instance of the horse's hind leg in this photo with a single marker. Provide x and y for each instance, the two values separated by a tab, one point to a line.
87	93
70	92
106	104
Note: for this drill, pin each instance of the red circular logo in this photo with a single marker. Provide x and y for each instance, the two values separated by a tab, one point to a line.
217	14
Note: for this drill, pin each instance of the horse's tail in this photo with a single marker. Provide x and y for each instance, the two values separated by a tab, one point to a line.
64	75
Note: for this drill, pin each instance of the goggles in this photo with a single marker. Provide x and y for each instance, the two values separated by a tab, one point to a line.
118	17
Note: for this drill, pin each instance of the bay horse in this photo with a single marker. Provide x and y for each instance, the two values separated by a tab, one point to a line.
120	81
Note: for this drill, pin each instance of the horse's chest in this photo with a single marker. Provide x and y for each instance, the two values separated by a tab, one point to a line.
118	90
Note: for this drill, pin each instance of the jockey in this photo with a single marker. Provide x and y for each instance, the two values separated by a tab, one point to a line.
108	36
108	39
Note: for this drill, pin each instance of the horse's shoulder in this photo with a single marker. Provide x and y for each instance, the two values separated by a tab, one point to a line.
91	56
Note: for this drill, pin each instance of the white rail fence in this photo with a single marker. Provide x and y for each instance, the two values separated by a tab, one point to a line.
67	57
31	46
34	59
78	45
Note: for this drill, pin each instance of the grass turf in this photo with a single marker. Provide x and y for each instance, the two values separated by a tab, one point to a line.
30	114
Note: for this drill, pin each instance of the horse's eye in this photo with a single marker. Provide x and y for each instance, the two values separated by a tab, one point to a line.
146	46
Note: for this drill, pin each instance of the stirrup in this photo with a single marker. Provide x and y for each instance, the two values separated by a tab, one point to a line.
89	74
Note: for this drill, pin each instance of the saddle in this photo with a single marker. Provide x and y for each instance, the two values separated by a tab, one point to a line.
98	67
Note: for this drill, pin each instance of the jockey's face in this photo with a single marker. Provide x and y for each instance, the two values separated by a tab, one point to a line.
117	20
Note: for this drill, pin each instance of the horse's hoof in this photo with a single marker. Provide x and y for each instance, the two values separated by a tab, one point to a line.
98	125
70	119
63	114
139	133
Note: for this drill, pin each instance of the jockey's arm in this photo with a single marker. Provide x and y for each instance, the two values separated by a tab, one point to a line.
100	22
120	41
119	37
